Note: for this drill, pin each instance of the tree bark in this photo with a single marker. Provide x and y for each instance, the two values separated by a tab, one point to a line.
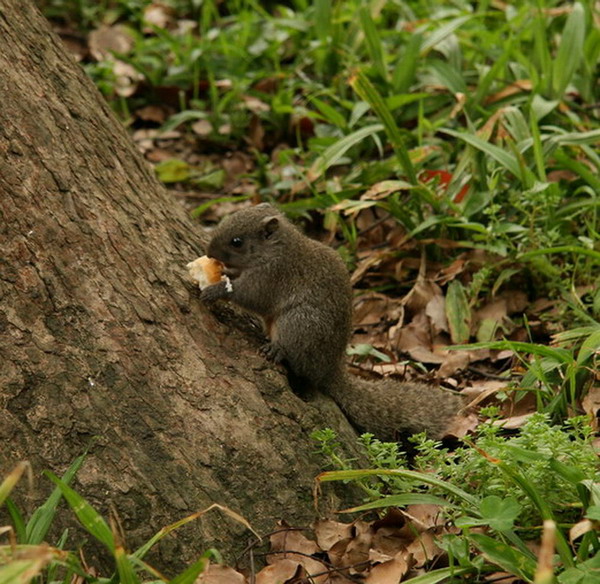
103	342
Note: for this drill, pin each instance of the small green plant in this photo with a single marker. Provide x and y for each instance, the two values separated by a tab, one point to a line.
507	485
27	557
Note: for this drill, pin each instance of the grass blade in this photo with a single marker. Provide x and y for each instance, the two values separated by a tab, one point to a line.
505	556
337	150
367	92
91	520
41	519
505	159
443	32
373	40
344	475
436	576
8	484
125	568
570	51
400	501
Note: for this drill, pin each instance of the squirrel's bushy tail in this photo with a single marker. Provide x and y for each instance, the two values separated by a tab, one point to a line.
389	408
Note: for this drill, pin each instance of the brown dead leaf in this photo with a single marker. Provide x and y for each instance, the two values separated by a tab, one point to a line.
255	105
450	272
279	572
436	311
292	545
580	528
383	189
256	133
454	361
127	78
389	572
202	128
415	340
158	15
329	532
558	175
421	294
353	554
462	425
370	309
591	405
292	540
514	422
520	86
479	391
218	574
424	516
152	113
106	39
372	260
424	549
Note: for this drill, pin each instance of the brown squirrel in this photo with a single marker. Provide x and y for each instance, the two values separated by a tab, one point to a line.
301	289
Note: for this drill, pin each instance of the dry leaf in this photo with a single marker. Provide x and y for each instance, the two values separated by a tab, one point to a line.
424	516
424	549
158	15
329	532
218	574
279	572
580	528
202	128
292	540
514	422
389	572
106	39
454	361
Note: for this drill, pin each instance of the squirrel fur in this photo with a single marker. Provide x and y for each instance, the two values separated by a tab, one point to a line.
301	289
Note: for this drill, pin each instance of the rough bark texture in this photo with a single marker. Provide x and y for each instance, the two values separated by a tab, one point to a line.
101	336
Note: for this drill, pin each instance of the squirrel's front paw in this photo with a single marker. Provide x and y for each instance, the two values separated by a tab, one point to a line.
273	352
213	293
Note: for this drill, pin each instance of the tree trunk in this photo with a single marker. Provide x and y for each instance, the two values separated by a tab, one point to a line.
103	342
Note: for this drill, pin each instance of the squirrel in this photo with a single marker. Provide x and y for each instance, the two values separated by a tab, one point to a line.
301	289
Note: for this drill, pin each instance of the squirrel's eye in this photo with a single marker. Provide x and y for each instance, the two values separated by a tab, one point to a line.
236	242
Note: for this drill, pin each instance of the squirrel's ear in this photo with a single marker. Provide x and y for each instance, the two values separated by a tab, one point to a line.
270	225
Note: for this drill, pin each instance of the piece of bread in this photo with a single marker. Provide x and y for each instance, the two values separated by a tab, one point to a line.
205	271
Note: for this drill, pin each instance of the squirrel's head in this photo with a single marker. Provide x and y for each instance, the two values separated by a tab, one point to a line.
244	238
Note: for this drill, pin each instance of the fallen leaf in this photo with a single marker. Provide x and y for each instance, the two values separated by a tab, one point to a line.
329	532
389	572
218	574
157	15
580	528
292	540
514	422
106	39
202	128
424	549
454	361
152	113
436	311
279	572
520	86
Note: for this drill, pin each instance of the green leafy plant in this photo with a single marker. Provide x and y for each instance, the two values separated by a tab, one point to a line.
505	485
27	556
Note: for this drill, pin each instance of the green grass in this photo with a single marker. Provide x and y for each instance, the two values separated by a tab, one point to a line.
498	490
503	102
27	557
